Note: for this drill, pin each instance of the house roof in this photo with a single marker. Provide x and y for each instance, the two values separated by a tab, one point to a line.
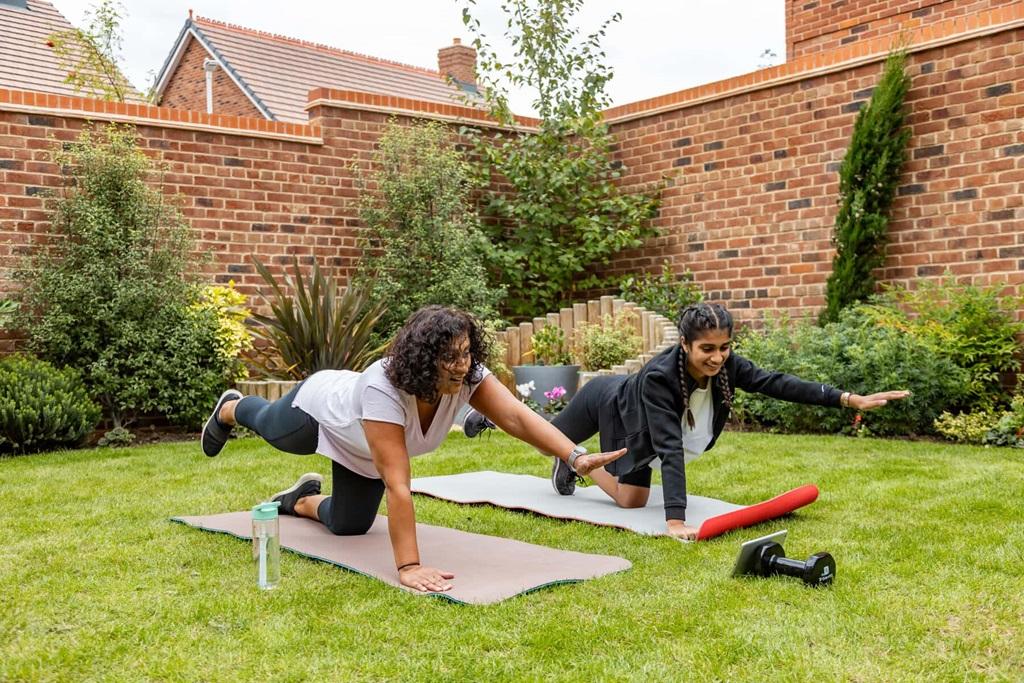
26	61
277	72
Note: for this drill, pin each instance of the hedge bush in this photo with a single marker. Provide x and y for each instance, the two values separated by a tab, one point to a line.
42	407
854	354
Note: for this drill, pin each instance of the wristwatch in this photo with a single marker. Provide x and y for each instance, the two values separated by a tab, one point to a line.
576	452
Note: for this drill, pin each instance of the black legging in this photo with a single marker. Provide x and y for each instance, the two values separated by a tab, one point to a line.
352	506
580	420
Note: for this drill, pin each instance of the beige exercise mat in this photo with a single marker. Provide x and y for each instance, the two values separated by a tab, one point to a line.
487	569
590	504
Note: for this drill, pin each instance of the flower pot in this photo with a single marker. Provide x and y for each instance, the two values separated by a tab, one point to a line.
546	378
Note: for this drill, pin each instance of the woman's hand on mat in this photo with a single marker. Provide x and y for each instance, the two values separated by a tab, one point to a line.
678	529
426	579
872	401
585	464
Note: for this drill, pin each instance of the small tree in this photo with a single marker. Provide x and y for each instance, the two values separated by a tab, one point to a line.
562	214
90	55
868	179
423	240
112	292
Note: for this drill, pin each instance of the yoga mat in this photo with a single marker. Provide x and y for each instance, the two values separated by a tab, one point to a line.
487	569
590	504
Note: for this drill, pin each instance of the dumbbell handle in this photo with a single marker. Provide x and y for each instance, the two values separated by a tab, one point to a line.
788	566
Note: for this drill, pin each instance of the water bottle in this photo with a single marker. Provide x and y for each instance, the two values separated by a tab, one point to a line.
266	544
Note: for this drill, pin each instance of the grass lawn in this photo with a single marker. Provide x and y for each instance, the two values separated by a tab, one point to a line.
97	584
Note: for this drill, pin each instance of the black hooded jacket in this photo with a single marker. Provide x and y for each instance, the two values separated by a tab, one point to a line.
645	415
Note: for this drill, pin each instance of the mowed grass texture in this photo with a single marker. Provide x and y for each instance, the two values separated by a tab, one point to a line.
97	584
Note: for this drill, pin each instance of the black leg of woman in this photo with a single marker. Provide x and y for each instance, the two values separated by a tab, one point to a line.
580	420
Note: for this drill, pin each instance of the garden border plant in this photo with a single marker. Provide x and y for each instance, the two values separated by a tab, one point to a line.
111	293
561	211
868	178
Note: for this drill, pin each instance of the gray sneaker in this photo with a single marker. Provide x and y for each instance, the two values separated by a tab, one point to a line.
563	478
308	485
475	423
215	433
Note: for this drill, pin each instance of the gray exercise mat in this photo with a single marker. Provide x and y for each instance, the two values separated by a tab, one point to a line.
588	504
487	569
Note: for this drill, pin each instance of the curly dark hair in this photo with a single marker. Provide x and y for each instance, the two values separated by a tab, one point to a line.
412	362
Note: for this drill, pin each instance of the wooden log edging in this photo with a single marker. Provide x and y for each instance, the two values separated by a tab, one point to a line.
656	331
270	389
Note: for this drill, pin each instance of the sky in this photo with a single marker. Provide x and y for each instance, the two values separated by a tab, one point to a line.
659	46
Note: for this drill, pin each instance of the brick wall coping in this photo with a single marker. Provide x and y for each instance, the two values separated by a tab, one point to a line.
389	104
949	31
30	102
924	37
918	37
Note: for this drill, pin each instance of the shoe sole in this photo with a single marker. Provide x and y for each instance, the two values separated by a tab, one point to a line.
309	476
216	409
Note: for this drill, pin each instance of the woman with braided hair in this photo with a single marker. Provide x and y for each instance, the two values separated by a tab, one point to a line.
674	410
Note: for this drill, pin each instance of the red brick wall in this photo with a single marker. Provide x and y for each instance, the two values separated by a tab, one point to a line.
752	175
244	195
187	87
824	25
753	179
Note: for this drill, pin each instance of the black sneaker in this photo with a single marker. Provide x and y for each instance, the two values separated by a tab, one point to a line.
307	485
564	478
215	432
475	423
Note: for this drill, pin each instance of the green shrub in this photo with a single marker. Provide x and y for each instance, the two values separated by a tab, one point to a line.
868	178
111	294
613	342
557	211
233	336
975	327
665	293
1009	429
423	240
966	427
316	325
854	354
42	407
550	346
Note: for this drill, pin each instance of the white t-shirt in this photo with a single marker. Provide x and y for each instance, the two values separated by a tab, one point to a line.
696	440
340	399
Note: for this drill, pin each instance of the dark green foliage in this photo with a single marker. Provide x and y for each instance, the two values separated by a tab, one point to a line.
868	179
316	325
42	407
424	244
854	354
558	215
665	293
1009	428
111	294
974	327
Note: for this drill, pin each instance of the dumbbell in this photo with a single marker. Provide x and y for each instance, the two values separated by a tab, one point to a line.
818	570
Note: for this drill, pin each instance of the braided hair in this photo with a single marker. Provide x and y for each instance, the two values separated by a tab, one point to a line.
693	320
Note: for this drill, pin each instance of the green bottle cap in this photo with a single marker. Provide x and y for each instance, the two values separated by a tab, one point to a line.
265	511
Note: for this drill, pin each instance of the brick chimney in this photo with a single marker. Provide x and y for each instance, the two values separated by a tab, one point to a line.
458	61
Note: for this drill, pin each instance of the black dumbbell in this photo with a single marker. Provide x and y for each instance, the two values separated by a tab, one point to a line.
818	570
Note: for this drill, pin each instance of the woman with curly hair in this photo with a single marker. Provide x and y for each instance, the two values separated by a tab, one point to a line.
673	410
370	423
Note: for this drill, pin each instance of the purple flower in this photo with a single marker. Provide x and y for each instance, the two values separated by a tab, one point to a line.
555	394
